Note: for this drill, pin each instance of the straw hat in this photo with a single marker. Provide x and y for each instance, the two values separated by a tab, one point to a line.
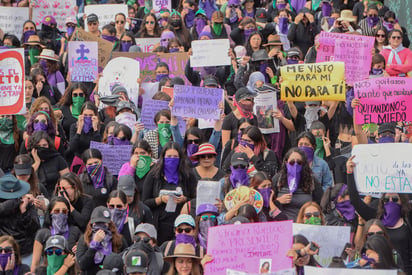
346	15
204	149
273	39
34	40
48	54
183	250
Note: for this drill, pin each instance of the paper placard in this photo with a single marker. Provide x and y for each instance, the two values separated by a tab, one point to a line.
316	81
149	109
83	61
265	104
12	20
207	192
158	4
106	13
147	44
383	168
114	156
289	271
202	50
311	270
59	9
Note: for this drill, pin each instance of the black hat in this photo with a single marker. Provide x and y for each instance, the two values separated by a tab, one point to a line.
239	159
114	263
210	81
124	105
261	15
136	261
117	88
22	169
176	81
92	18
243	93
260	55
100	214
12	188
386	127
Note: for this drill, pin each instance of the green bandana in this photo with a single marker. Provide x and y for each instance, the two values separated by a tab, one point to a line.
164	133
54	263
6	131
315	4
217	28
143	166
314	221
77	105
320	150
33	52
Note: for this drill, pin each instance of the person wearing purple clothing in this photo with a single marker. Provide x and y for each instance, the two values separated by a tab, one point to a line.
50	64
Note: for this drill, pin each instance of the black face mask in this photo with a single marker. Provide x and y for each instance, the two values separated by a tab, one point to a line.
45	153
144	246
176	22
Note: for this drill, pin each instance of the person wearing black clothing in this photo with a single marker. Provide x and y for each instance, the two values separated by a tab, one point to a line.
50	34
42	87
10	140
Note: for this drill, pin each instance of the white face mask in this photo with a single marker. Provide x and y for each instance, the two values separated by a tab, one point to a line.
311	114
128	119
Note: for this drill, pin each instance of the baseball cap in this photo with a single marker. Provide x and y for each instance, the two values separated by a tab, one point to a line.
100	214
92	18
243	93
113	263
210	81
239	159
185	218
57	241
136	261
22	169
147	228
127	185
261	15
386	127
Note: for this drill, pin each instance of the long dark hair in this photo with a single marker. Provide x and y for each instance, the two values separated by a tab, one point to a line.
75	183
248	47
184	167
383	248
404	206
303	240
67	97
256	136
195	131
35	138
118	194
143	32
330	195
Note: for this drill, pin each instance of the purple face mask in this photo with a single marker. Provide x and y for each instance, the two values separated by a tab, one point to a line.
173	50
185	238
200	24
392	214
125	46
247	33
191	149
4	257
262	69
326	9
203	231
70	30
292	61
239	177
377	71
388	26
246	144
265	192
88	124
160	76
294	175
27	34
346	209
283	25
165	37
109	38
39	126
118	216
190	18
59	224
118	141
280	6
170	169
331	20
372	21
386	139
309	152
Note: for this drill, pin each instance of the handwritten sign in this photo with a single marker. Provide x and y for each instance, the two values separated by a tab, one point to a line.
383	168
114	156
317	81
201	53
12	19
60	10
311	270
147	44
331	239
106	13
149	109
243	246
198	102
148	61
265	104
83	61
384	99
207	192
12	99
158	4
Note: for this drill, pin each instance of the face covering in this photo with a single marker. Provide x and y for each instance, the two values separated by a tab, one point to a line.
233	16
246	144
280	6
164	133
294	175
377	71
320	149
59	224
331	20
109	38
128	119
125	46
118	216
170	169
6	131
27	34
203	230
96	173
191	149
292	61
386	139
326	9
388	26
160	76
200	24
119	141
54	263
40	126
33	52
217	28
265	192
247	33
143	166
314	221
70	30
346	209
45	153
311	114
176	23
309	152
372	21
283	25
190	18
392	214
4	258
239	177
173	50
262	69
77	105
185	238
88	124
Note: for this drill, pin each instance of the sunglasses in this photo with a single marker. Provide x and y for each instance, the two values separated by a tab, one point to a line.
7	249
372	15
118	206
145	239
314	214
393	199
396	37
58	211
392	22
78	94
380	35
150	22
126	41
375	233
206	217
292	162
40	120
92	23
233	6
207	156
186	230
119	22
195	141
239	166
52	251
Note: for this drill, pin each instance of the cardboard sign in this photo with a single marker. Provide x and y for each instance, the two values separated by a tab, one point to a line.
311	270
106	13
207	53
147	44
60	10
383	168
384	99
114	156
313	82
265	104
244	246
197	102
83	61
12	20
12	88
149	109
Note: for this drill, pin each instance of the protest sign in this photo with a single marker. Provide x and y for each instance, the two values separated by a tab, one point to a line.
201	50
12	98
316	81
149	109
123	71
168	91
198	102
83	61
207	192
158	4
383	168
311	270
331	239
150	89
106	13
59	9
289	271
147	44
244	246
104	47
114	156
12	20
206	123
265	104
384	99
148	61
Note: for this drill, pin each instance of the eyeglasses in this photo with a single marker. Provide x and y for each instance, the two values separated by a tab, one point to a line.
118	206
186	230
375	233
380	35
40	120
150	22
7	249
293	161
195	141
78	94
92	23
145	239
396	37
52	251
58	211
393	199
120	22
239	166
207	156
314	214
206	217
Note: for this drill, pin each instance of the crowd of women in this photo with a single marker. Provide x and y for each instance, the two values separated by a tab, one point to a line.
63	212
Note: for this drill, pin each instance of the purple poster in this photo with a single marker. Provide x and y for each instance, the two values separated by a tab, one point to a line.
83	61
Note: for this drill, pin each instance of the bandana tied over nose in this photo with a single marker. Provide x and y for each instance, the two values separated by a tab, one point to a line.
283	25
294	175
372	21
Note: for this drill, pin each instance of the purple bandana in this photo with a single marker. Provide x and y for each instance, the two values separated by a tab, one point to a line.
96	173
294	175
170	168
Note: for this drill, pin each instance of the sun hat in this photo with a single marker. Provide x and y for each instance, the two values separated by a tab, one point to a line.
273	39
12	188
48	54
347	16
260	55
204	149
34	40
183	250
70	20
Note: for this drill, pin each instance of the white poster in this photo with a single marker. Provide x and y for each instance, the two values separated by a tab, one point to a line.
265	104
310	270
106	13
207	53
12	20
289	271
147	44
207	192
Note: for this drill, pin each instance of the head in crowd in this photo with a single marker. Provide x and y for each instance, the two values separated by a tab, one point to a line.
93	23
307	142
378	253
193	138
389	20
161	70
10	247
249	212
75	96
41	121
126	41
311	213
120	23
57	216
261	182
206	217
150	26
109	33
378	65
108	133
70	187
239	165
117	204
23	170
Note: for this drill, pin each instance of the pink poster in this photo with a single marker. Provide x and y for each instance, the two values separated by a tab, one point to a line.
59	9
244	247
384	99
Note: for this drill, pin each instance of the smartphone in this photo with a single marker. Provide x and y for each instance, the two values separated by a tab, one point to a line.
313	246
344	254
